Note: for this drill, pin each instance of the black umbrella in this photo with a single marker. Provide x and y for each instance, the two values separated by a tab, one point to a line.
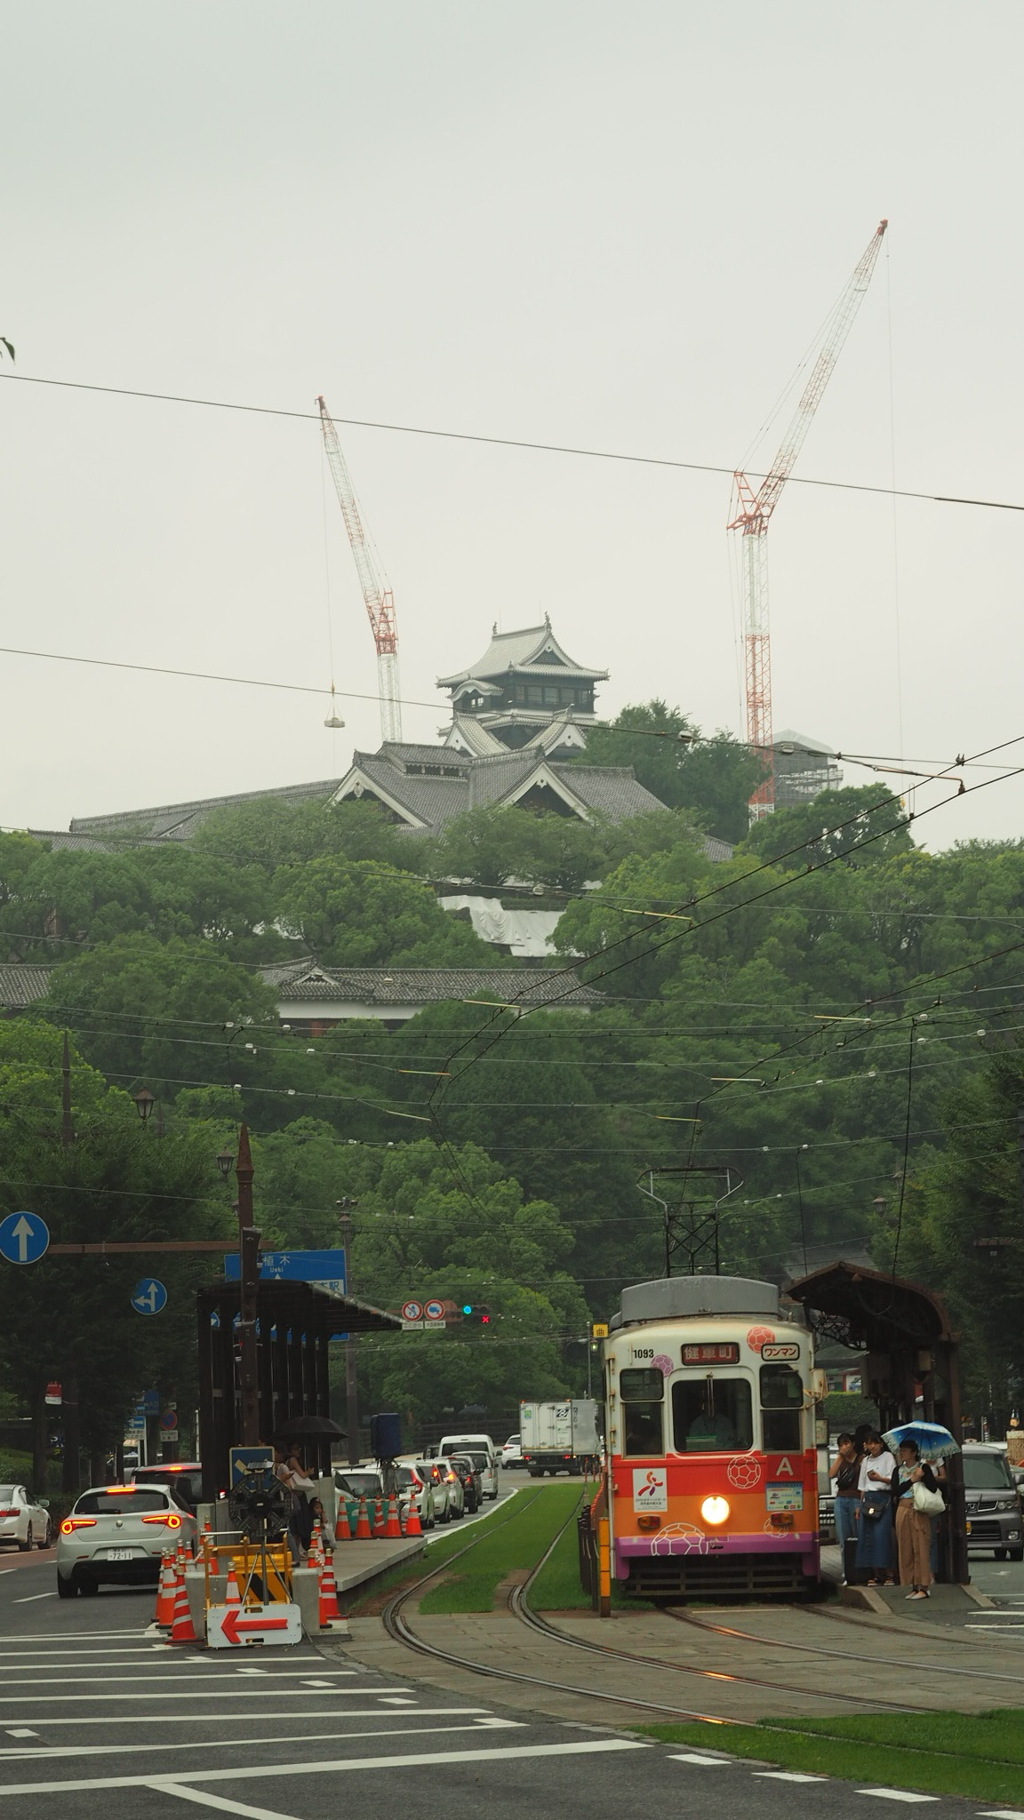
310	1426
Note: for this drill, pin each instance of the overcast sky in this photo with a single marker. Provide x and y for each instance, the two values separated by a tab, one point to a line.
567	221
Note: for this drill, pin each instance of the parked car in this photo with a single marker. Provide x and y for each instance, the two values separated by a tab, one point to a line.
993	1507
512	1452
23	1519
118	1533
471	1490
486	1470
184	1476
358	1481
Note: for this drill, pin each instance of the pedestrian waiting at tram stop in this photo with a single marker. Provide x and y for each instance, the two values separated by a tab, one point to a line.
874	1533
845	1470
913	1524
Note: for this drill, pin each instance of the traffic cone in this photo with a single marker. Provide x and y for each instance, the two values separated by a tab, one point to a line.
316	1557
363	1530
182	1629
164	1614
207	1543
328	1595
378	1517
392	1526
232	1596
413	1526
342	1532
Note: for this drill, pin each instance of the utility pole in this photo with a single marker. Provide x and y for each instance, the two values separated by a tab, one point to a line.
249	1259
69	1376
345	1207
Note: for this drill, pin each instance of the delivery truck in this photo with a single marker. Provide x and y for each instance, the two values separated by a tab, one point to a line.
560	1437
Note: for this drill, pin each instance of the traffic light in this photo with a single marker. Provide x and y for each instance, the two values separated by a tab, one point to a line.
477	1312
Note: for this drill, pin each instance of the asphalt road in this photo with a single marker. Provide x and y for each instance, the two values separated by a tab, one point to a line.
97	1717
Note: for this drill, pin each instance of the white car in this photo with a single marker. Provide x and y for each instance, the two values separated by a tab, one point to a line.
512	1452
119	1533
486	1471
23	1519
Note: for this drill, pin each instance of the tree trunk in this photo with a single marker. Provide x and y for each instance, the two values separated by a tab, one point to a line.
72	1445
40	1437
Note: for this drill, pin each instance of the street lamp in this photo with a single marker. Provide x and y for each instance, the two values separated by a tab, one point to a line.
225	1161
144	1103
346	1207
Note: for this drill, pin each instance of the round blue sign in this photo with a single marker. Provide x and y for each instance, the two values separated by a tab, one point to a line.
149	1296
24	1237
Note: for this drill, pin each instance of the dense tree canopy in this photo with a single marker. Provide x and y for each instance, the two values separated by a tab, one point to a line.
714	778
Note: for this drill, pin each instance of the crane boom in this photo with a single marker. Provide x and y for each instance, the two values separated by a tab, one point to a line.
754	514
380	602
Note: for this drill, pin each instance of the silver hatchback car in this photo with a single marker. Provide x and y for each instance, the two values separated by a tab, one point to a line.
118	1534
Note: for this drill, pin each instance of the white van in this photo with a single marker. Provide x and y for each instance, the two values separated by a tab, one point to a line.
468	1444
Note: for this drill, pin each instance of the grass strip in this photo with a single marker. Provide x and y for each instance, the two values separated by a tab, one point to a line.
557	1586
496	1553
437	1550
977	1756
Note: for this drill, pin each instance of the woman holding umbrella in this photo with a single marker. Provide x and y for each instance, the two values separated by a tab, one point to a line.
916	1496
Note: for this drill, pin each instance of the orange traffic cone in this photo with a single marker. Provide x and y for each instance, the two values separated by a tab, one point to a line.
413	1526
363	1531
207	1541
232	1596
182	1630
392	1526
342	1532
315	1557
164	1614
328	1595
378	1517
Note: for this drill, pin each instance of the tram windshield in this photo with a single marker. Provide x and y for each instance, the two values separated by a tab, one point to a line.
642	1391
782	1400
711	1415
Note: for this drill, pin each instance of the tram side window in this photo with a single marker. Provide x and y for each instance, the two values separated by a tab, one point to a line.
712	1415
782	1401
642	1393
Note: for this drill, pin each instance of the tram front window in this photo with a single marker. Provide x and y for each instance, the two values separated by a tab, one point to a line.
642	1394
711	1415
782	1401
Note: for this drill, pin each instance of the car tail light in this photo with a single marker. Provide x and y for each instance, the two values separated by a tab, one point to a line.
170	1517
10	1513
70	1524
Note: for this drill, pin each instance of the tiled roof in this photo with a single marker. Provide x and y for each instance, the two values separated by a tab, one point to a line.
179	821
518	651
404	986
22	983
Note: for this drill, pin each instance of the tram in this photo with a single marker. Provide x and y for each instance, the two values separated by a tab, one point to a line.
711	1394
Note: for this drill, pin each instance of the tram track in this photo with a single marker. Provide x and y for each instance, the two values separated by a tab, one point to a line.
397	1626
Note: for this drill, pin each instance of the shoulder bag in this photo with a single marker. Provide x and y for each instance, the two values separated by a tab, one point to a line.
874	1504
931	1502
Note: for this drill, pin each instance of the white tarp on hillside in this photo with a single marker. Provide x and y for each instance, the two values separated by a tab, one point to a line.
523	932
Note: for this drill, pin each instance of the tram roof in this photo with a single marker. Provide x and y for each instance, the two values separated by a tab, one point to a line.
679	1298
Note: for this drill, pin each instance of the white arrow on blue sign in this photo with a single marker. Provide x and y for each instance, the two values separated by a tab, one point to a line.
24	1237
149	1296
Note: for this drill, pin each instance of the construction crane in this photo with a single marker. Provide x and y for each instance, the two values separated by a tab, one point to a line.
752	513
380	602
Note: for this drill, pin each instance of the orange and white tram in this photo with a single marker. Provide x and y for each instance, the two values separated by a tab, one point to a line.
711	1396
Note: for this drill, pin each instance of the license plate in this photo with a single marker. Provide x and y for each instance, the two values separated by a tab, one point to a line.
120	1554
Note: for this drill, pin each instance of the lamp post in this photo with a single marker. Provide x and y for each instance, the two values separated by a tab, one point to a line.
249	1261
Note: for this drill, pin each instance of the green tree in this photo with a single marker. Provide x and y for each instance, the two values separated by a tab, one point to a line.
270	832
498	843
863	825
363	914
713	778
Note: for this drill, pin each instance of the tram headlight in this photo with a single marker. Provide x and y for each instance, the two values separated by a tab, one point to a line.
715	1510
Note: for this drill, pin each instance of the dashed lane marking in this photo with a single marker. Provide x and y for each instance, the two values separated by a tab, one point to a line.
216	1693
694	1756
787	1775
329	1767
257	1718
159	1680
31	1598
206	1799
896	1794
21	1731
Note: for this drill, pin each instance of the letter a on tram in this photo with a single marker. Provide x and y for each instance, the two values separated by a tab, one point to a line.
784	1468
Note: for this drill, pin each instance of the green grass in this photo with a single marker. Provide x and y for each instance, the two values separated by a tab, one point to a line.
496	1552
557	1586
978	1755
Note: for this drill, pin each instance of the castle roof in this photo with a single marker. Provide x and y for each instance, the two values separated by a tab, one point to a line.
534	651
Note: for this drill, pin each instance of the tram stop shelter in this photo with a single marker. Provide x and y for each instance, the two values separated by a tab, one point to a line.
911	1369
295	1324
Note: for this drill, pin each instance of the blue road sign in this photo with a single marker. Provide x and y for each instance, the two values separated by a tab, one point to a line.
241	1457
324	1269
23	1238
150	1402
149	1296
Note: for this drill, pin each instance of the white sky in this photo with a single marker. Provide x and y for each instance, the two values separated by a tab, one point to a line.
560	220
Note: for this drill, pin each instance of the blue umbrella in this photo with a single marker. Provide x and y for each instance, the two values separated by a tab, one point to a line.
933	1442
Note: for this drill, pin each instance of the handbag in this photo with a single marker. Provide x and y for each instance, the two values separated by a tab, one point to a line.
931	1502
874	1504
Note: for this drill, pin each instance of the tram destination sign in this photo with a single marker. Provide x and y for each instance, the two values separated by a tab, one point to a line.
711	1352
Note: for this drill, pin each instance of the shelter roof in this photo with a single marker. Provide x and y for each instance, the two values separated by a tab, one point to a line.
879	1312
299	1307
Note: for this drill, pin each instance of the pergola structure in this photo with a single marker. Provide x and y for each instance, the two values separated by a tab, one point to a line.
295	1324
911	1370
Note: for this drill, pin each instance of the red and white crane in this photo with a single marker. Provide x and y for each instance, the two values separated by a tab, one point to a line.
752	513
380	602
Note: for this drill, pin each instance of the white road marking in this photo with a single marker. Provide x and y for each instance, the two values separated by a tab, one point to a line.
251	1671
896	1794
219	1801
694	1756
32	1597
787	1775
317	1684
1001	1813
83	1636
335	1766
46	1752
22	1731
226	1693
1002	1627
158	1680
369	1712
398	1699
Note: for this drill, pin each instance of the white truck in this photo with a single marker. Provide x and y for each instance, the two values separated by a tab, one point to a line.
559	1437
